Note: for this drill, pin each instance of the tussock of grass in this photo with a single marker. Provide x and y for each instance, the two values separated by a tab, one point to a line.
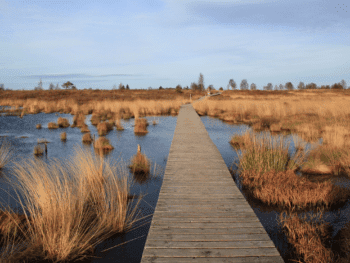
102	143
140	126
267	170
78	120
38	150
38	126
52	125
104	127
63	136
76	204
63	122
118	125
84	129
140	164
6	153
87	138
308	238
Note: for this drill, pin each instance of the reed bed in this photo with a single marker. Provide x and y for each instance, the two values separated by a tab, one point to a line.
308	238
76	204
267	170
6	153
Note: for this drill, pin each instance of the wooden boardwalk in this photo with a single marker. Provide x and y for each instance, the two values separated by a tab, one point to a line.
201	216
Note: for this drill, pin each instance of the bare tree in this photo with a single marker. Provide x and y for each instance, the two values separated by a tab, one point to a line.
281	87
311	86
51	86
301	85
343	83
121	86
2	87
289	86
40	86
269	86
57	87
252	86
201	82
194	86
127	86
244	84
276	87
231	84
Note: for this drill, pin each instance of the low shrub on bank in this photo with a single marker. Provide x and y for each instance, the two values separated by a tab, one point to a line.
72	215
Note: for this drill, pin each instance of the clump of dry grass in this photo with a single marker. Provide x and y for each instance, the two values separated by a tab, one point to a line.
38	150
308	238
267	170
140	126
72	215
118	125
63	122
6	153
38	126
84	128
87	138
78	120
63	136
52	125
104	127
140	164
102	143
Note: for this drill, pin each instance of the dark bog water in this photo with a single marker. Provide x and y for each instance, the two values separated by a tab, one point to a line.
155	145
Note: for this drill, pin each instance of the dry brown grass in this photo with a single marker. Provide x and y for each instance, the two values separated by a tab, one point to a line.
140	126
6	153
52	125
308	238
63	136
78	121
102	143
104	127
119	125
38	126
63	122
84	128
87	138
140	164
72	215
38	150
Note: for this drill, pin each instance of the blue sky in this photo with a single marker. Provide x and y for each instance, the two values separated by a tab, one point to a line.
152	43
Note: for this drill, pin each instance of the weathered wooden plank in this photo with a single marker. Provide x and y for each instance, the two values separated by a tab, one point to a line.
211	237
210	244
201	216
217	231
270	259
210	252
